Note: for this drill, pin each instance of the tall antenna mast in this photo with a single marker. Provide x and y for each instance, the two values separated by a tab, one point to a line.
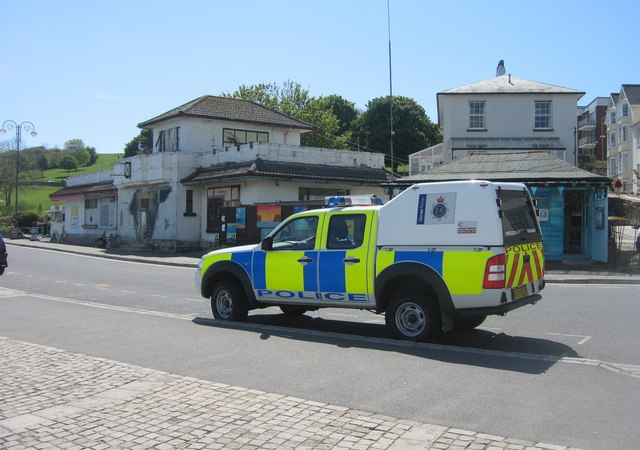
390	90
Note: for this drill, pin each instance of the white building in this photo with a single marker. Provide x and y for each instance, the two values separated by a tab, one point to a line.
623	138
508	113
218	168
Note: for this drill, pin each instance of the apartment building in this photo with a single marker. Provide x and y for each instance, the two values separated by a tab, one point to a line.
592	138
623	138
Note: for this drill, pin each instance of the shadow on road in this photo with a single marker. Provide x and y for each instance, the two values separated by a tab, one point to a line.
482	348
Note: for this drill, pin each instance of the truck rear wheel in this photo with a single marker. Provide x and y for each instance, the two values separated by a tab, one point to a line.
228	301
412	316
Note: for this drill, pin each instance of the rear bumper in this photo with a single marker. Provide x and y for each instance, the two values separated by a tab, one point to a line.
498	310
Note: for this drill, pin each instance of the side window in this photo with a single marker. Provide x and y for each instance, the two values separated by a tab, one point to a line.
346	231
299	234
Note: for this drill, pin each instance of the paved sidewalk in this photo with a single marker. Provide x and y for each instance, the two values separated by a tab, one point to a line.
52	398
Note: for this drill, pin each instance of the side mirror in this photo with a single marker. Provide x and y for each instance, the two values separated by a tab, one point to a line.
267	243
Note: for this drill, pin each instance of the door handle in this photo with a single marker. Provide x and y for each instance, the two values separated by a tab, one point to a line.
351	260
305	260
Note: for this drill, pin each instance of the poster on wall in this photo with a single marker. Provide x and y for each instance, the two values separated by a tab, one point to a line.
231	233
241	218
269	216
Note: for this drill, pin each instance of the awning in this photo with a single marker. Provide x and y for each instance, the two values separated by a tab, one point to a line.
85	190
285	170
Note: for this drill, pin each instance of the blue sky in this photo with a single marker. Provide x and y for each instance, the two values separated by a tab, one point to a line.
93	70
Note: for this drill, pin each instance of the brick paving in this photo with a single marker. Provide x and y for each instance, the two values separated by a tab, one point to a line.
52	398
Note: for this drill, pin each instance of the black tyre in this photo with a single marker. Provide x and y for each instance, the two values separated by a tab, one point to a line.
1	270
467	323
293	310
412	316
228	301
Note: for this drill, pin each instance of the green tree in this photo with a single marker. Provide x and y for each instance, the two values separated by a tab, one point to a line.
68	162
78	150
343	109
413	130
139	144
293	100
7	173
93	155
43	163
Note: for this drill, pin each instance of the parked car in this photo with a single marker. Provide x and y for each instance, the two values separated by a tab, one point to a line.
3	255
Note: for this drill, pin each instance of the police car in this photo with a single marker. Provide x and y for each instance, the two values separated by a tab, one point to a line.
437	257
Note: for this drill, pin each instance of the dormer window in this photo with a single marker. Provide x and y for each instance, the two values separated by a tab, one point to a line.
238	137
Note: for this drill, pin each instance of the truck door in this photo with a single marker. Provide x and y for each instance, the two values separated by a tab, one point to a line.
289	270
345	271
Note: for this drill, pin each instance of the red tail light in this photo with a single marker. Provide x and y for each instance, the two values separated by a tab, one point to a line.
495	274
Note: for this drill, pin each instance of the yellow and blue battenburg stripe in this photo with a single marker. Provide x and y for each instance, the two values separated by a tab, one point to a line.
324	277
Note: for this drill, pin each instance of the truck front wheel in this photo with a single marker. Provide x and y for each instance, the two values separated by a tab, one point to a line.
412	316
228	301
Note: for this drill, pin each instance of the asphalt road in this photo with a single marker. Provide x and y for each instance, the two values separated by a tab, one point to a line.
566	370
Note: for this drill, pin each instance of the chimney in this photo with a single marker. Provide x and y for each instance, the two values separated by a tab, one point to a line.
500	70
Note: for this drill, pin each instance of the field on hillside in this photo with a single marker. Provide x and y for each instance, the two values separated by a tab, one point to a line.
35	199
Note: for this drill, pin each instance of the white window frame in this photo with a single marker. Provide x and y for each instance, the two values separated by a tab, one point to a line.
477	115
168	140
612	166
625	110
623	163
623	133
543	116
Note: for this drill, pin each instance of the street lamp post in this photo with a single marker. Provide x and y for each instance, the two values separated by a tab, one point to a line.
29	128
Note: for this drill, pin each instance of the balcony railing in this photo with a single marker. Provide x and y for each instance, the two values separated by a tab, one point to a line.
589	122
587	142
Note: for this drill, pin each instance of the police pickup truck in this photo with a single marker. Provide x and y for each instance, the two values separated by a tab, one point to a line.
437	257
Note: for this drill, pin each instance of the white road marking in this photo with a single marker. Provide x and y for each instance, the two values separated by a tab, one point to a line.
582	341
624	369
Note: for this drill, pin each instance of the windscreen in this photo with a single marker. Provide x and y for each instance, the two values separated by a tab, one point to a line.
519	222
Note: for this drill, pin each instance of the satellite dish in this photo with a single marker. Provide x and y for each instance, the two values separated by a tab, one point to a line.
142	146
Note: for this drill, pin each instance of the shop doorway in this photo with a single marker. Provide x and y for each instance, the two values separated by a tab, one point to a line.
574	222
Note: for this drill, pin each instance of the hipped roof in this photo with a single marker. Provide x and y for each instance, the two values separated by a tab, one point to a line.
522	166
232	109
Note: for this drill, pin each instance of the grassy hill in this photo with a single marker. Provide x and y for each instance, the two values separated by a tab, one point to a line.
35	199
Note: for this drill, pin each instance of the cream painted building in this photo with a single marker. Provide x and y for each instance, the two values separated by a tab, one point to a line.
623	138
213	161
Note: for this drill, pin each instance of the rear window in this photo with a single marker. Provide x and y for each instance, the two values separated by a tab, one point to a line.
519	222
